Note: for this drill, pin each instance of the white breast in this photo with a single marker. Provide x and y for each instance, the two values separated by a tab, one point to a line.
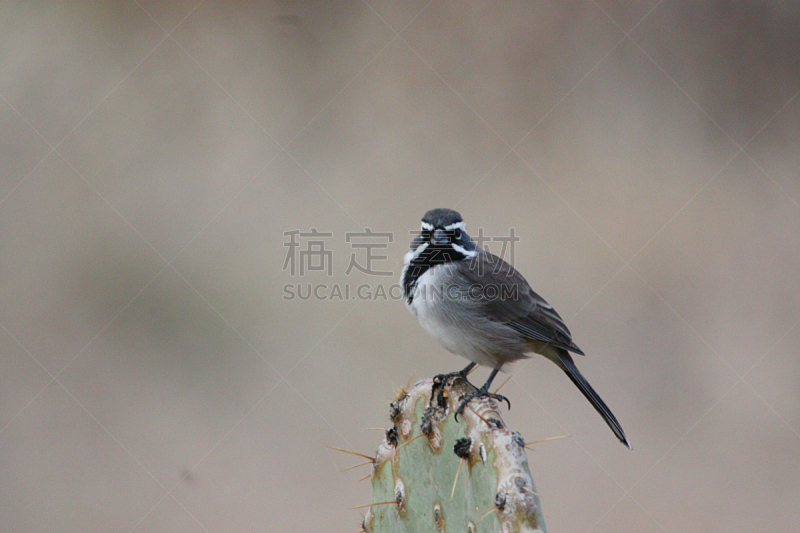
449	322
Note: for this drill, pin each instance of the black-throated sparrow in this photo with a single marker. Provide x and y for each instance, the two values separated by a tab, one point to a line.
478	306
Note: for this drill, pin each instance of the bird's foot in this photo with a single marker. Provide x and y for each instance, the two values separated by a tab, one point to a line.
483	392
441	379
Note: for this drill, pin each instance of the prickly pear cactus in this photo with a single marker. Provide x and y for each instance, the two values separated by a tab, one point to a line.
416	467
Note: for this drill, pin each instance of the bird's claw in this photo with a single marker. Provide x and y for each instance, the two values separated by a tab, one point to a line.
479	393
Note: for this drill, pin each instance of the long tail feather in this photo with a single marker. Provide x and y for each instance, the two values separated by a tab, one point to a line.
568	366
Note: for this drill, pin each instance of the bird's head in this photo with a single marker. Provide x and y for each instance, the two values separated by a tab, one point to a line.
443	237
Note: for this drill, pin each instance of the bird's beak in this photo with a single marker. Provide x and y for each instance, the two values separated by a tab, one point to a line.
439	237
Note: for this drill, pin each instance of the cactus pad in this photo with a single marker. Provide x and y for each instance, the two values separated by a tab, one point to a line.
417	463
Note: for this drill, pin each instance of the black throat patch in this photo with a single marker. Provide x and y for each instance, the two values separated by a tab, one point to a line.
432	255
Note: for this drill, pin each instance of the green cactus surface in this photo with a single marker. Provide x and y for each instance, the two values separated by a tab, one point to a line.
416	465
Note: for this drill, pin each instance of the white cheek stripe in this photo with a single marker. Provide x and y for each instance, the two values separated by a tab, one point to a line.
462	250
459	225
412	254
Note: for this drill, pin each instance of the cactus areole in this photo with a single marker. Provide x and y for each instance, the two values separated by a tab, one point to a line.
441	475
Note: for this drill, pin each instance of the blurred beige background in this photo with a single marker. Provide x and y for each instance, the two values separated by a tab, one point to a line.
153	377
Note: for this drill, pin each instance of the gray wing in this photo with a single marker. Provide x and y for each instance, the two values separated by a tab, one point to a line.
511	300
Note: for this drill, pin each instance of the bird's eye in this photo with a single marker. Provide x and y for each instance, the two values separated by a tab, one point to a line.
457	234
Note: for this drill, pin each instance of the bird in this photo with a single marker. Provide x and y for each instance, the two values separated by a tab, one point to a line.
478	306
